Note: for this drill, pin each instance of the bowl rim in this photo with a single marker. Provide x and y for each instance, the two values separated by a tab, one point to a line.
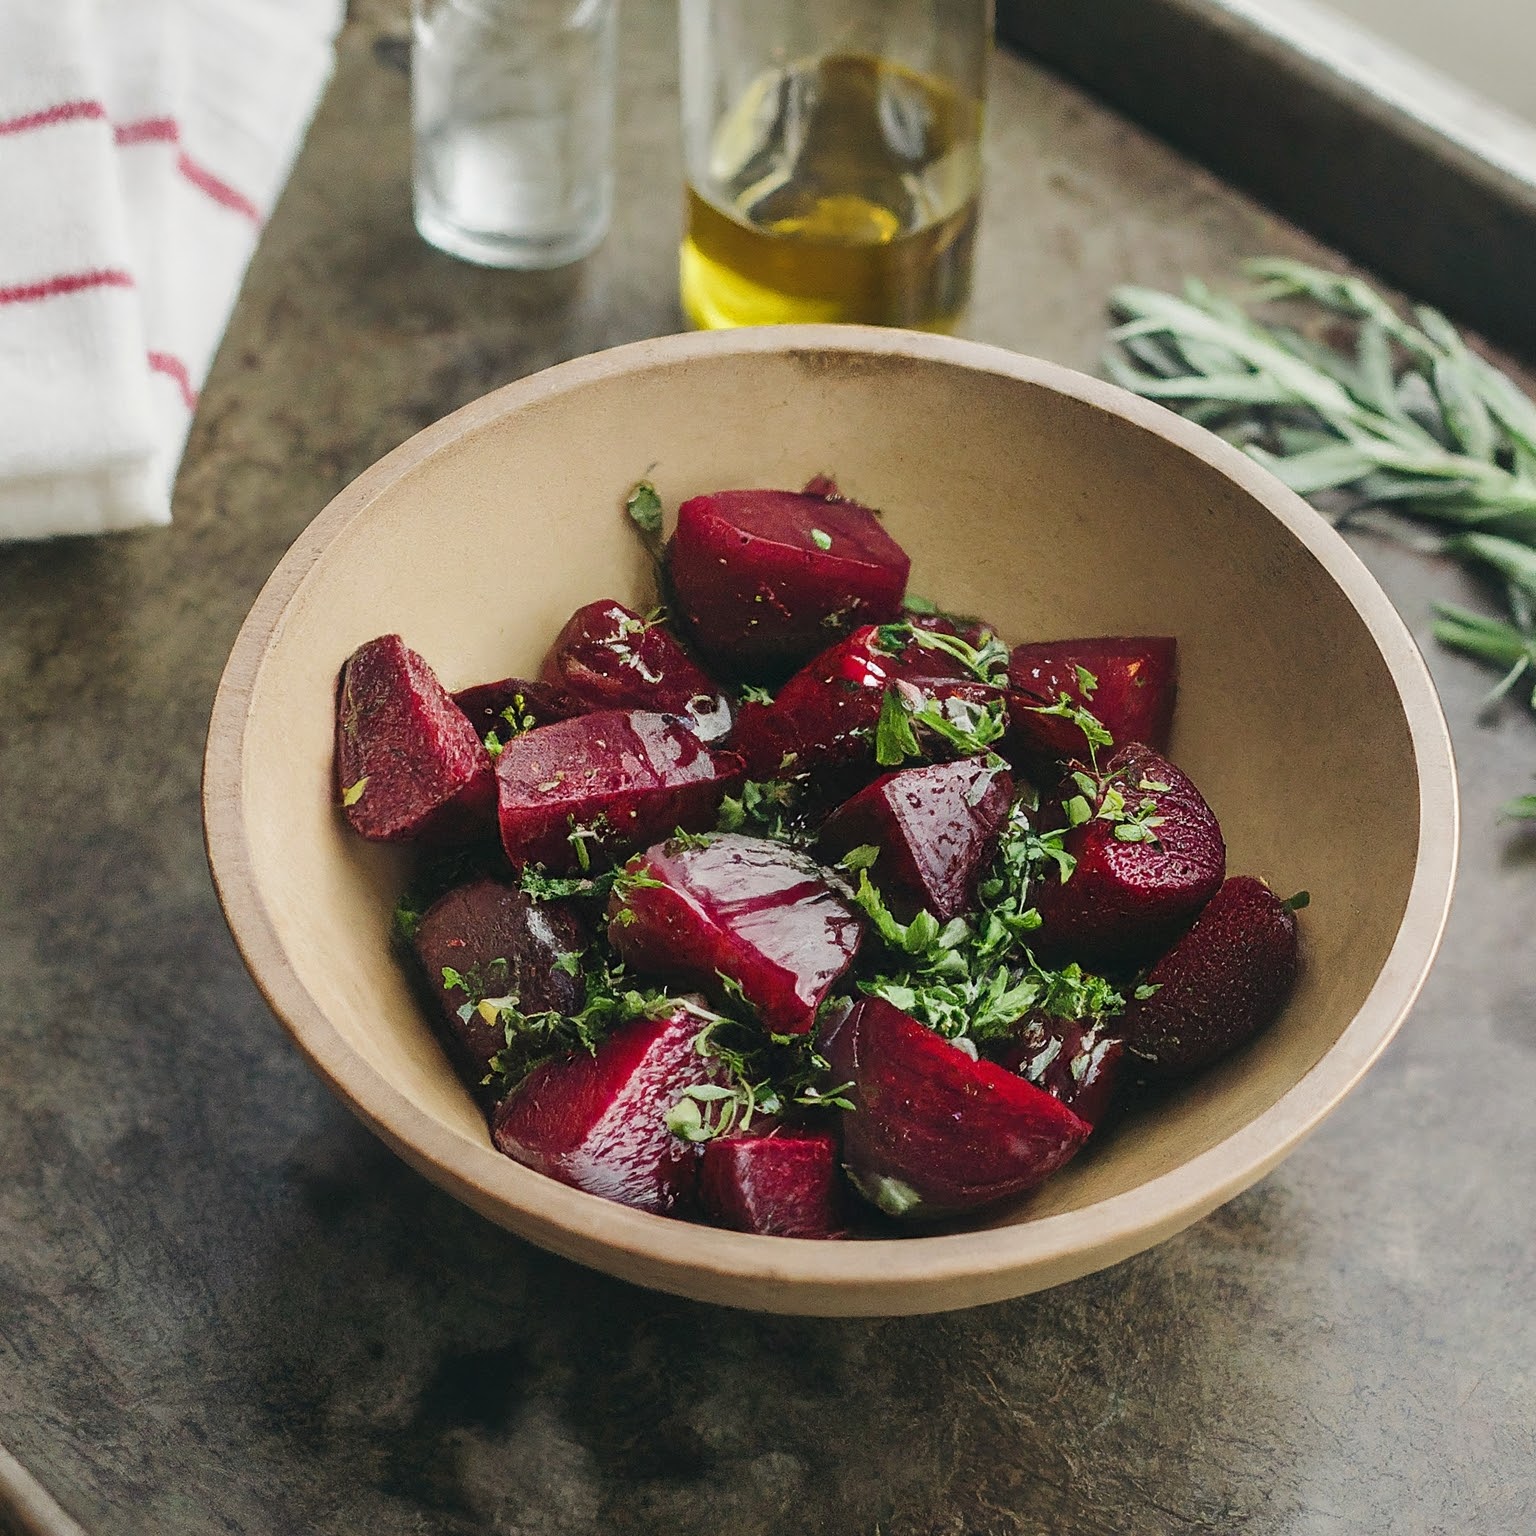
879	1276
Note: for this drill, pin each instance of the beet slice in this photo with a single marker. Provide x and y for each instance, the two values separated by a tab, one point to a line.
1078	1063
936	829
1127	901
409	766
617	778
529	703
749	909
500	944
1223	982
599	1122
608	657
935	1132
784	1183
1136	678
764	579
823	720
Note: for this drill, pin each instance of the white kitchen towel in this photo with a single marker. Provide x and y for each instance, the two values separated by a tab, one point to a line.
142	145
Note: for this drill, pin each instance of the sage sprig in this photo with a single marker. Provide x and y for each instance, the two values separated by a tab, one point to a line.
1381	418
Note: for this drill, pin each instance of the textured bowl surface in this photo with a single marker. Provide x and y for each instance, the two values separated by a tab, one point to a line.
1047	501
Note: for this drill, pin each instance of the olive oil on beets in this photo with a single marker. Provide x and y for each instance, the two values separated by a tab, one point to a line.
844	189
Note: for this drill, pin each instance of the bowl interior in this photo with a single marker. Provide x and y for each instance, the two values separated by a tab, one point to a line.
1047	513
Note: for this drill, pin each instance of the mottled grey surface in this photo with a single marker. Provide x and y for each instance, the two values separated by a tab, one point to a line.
225	1307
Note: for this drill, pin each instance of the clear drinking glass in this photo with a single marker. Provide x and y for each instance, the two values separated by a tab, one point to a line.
833	157
512	113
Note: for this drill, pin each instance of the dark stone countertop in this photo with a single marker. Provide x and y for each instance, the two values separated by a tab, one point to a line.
225	1307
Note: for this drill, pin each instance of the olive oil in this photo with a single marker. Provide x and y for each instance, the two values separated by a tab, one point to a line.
842	189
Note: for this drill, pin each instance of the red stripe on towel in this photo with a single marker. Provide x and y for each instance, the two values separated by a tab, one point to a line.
66	282
176	370
64	112
148	130
220	191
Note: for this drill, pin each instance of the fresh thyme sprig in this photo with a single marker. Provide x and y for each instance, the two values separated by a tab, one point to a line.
1405	419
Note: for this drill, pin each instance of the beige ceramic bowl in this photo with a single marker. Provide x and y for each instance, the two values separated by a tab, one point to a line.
1051	503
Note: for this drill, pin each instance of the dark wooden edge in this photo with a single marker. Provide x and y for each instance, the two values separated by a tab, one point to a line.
26	1507
1307	134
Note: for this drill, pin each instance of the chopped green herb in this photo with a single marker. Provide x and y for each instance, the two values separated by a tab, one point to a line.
821	540
895	740
354	792
751	1076
965	727
518	716
987	662
407	918
862	857
765	807
644	508
1297	902
580	835
1067	708
750	693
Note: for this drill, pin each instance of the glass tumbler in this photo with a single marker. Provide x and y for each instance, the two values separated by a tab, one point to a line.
833	158
512	119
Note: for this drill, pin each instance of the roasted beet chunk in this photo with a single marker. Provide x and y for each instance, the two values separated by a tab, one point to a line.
599	1122
1131	694
608	657
764	579
934	1131
1078	1063
589	790
782	1184
409	766
484	943
1223	982
936	829
1141	878
514	705
747	909
823	720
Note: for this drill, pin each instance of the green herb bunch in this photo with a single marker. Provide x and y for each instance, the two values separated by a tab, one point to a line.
1381	417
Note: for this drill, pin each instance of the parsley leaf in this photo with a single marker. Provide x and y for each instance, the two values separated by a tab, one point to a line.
644	508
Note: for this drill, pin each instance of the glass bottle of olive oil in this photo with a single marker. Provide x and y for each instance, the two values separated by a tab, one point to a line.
839	186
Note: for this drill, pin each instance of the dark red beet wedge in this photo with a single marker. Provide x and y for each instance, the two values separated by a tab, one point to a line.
936	829
823	720
513	705
409	766
500	944
1077	1063
935	1132
599	1122
747	908
608	657
1127	901
1136	677
1223	982
785	1183
764	579
615	779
